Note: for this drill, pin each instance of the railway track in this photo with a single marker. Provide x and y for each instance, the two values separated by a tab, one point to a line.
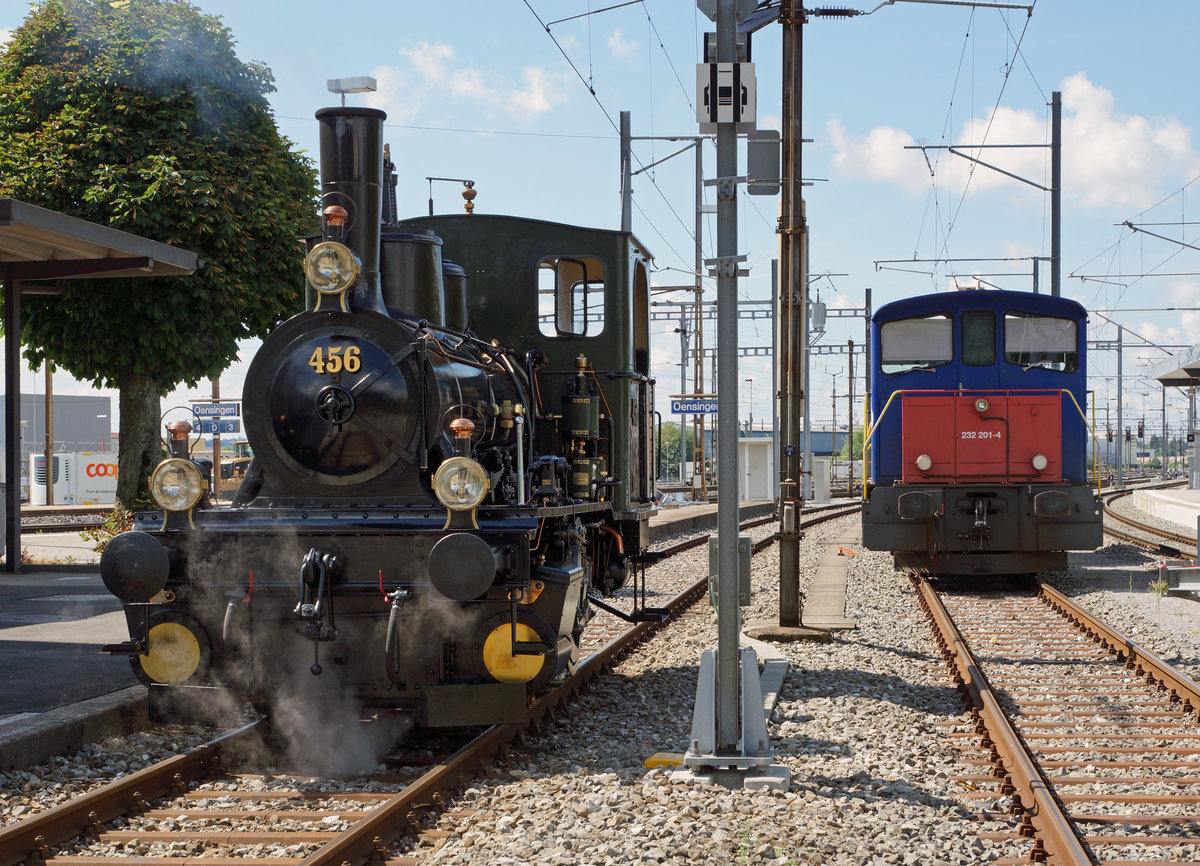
204	810
1086	739
1156	539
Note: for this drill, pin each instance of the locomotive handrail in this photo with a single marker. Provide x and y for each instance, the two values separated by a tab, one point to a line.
1095	439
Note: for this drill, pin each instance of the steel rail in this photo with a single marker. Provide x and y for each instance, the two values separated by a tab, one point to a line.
1037	800
816	515
29	841
1185	541
1137	658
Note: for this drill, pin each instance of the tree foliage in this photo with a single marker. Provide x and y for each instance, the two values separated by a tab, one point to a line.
669	445
139	115
854	444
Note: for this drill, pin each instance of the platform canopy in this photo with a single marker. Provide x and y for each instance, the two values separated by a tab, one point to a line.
1181	370
41	244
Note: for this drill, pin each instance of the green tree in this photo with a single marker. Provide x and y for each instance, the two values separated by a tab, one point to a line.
856	444
669	458
139	115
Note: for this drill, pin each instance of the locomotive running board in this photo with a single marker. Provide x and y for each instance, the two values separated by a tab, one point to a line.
645	614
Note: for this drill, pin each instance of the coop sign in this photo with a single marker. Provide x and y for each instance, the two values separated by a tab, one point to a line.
701	406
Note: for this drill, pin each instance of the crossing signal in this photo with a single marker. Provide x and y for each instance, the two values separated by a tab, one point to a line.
1141	429
1127	436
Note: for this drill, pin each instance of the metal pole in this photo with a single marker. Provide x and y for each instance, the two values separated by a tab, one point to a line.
728	623
1163	451
1121	450
774	368
216	444
807	488
12	426
850	420
793	294
1055	192
699	490
1107	440
683	354
697	368
626	175
48	443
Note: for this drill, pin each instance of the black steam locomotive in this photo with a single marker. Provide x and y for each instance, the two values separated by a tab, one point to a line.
442	478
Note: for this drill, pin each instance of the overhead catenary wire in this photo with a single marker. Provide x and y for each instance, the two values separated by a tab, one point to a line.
986	132
608	116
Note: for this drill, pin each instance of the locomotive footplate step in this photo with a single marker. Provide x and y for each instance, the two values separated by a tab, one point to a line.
643	614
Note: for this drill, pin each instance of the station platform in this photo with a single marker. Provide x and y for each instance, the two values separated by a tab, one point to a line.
702	516
57	691
1176	505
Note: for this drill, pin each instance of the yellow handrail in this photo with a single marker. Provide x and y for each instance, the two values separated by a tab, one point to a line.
866	449
1095	440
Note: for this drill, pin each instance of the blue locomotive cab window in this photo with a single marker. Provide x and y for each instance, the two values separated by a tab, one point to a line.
922	343
1041	342
570	296
979	338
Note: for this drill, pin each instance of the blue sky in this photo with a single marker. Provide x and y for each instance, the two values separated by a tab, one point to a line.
478	89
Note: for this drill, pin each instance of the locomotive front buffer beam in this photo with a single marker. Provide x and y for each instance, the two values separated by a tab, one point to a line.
980	529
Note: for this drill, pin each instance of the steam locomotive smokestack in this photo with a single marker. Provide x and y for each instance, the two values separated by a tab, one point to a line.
352	176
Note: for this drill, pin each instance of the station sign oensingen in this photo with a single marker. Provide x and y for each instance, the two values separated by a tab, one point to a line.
694	406
216	410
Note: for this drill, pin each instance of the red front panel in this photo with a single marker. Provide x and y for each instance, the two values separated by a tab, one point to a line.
947	431
1036	421
927	428
982	439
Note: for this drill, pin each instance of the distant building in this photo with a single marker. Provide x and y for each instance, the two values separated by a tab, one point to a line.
81	423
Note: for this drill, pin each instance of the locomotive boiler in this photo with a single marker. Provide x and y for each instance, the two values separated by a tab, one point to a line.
450	462
979	441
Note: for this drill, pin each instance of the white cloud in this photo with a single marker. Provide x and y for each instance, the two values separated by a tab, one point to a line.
1111	160
5	35
620	46
433	73
879	156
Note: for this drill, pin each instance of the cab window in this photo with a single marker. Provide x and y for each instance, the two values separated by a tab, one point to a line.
979	338
570	296
1042	342
921	343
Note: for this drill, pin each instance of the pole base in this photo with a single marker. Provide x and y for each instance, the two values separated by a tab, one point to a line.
770	631
751	762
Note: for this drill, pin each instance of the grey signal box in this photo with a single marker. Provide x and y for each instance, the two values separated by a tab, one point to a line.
762	162
743	550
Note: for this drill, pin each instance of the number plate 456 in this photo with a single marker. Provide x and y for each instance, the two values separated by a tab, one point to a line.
334	359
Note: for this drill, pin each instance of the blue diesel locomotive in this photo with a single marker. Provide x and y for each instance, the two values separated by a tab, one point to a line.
978	445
